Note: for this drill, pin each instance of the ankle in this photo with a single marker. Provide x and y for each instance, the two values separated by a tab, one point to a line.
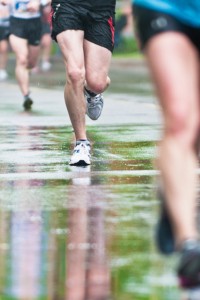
85	141
92	94
187	243
27	96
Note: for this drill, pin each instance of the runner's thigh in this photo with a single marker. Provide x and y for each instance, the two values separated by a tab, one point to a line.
97	60
71	45
174	63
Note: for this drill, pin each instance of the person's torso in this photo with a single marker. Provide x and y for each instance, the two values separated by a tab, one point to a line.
19	10
187	11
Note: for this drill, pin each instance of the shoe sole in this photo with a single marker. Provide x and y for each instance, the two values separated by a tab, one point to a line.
94	118
190	280
91	117
80	163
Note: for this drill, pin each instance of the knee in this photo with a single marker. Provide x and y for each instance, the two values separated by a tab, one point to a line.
76	76
22	61
31	65
97	84
183	126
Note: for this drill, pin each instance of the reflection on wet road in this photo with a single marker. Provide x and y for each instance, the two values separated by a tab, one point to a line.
78	233
71	233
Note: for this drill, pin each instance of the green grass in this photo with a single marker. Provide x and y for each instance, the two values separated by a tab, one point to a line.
127	45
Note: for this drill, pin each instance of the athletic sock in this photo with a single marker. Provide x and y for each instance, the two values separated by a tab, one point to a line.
92	94
82	141
27	96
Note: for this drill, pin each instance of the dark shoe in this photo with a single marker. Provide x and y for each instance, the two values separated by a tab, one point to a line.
27	103
165	240
189	266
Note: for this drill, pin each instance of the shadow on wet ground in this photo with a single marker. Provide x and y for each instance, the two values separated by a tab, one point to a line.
82	233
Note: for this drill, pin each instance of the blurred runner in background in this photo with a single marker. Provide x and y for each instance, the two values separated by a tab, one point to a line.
4	34
46	40
44	60
25	34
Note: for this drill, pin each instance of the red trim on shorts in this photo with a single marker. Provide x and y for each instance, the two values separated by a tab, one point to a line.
110	22
50	18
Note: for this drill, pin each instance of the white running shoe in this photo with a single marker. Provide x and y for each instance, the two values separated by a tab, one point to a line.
94	104
45	66
3	75
81	154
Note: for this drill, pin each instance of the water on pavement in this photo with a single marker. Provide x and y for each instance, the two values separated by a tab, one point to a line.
70	233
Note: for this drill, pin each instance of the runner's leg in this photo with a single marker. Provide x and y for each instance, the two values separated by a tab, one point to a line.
97	64
176	74
46	43
33	55
3	54
20	48
71	45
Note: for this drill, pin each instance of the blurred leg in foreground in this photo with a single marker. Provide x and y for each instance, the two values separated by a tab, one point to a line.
171	46
4	46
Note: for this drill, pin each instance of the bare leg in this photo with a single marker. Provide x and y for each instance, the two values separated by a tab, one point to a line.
97	64
80	55
46	43
20	48
33	54
176	74
70	43
3	54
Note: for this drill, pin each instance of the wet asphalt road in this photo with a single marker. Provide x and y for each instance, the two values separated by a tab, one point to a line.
70	233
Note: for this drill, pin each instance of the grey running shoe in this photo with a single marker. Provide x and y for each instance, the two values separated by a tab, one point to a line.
27	103
81	154
94	104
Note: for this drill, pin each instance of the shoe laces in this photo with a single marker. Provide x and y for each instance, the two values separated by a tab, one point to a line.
94	100
82	147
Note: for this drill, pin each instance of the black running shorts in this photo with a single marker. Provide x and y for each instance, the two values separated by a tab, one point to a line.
98	26
4	33
149	23
28	29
